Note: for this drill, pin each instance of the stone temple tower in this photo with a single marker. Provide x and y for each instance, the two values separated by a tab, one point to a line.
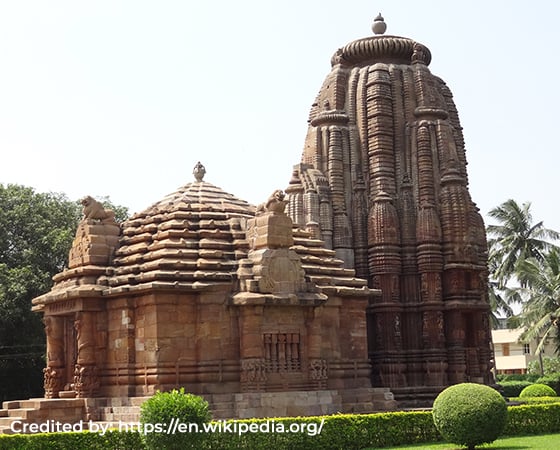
383	176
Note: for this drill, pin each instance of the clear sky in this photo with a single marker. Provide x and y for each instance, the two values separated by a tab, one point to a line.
122	98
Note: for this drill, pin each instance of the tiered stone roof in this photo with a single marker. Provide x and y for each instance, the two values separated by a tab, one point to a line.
190	239
323	268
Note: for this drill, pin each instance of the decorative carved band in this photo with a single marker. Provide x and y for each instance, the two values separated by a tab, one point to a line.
253	370
393	48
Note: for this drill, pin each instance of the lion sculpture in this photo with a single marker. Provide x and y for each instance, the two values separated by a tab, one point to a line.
276	203
94	210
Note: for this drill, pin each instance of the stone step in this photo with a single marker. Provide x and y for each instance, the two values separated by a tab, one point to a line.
24	413
42	403
11	404
6	421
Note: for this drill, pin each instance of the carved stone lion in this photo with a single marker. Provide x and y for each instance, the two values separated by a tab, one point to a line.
274	204
94	210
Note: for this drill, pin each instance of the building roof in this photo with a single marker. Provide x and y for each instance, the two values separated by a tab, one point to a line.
191	239
506	336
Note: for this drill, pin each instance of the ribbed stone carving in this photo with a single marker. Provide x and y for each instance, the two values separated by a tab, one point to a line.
405	170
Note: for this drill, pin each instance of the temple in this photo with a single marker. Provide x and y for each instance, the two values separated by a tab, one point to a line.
362	283
383	173
205	291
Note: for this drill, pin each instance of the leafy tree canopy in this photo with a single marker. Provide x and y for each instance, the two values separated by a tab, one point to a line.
36	233
516	238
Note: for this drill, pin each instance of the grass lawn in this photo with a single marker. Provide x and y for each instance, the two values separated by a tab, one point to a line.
541	442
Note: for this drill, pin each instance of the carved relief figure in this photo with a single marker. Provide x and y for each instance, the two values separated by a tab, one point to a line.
253	370
55	343
318	369
85	338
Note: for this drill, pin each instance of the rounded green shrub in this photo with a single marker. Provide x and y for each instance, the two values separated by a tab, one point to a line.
538	390
174	420
469	414
552	380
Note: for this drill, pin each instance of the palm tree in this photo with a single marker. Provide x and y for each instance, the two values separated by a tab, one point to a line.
515	239
497	296
541	293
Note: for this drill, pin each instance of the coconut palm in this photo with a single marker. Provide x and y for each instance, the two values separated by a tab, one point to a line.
497	295
541	293
515	239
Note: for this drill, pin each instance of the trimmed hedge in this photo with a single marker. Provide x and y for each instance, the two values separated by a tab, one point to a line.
339	432
344	431
535	400
513	388
533	419
531	377
72	441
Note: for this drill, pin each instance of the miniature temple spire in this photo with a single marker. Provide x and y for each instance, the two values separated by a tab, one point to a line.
199	171
379	26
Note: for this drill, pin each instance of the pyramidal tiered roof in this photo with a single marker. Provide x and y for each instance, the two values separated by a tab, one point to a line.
323	268
189	239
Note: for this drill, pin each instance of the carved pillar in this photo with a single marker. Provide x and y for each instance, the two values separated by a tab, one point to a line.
385	267
311	206
326	221
380	132
53	374
455	331
253	368
317	367
295	193
86	381
359	222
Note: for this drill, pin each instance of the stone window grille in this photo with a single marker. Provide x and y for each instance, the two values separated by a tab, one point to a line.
282	352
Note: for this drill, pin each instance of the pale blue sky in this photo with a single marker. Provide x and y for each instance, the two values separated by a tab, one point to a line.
122	98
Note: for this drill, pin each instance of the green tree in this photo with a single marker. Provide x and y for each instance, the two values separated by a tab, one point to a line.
540	294
36	233
515	239
497	296
551	365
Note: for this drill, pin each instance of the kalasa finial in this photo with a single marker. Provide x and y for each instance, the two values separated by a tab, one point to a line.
199	171
379	26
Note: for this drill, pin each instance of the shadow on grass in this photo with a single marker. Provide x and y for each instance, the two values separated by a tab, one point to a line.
452	447
505	447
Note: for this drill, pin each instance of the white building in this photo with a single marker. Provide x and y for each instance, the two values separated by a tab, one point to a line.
511	356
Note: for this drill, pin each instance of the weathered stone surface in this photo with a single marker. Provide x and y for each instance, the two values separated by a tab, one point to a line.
264	308
383	182
205	291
